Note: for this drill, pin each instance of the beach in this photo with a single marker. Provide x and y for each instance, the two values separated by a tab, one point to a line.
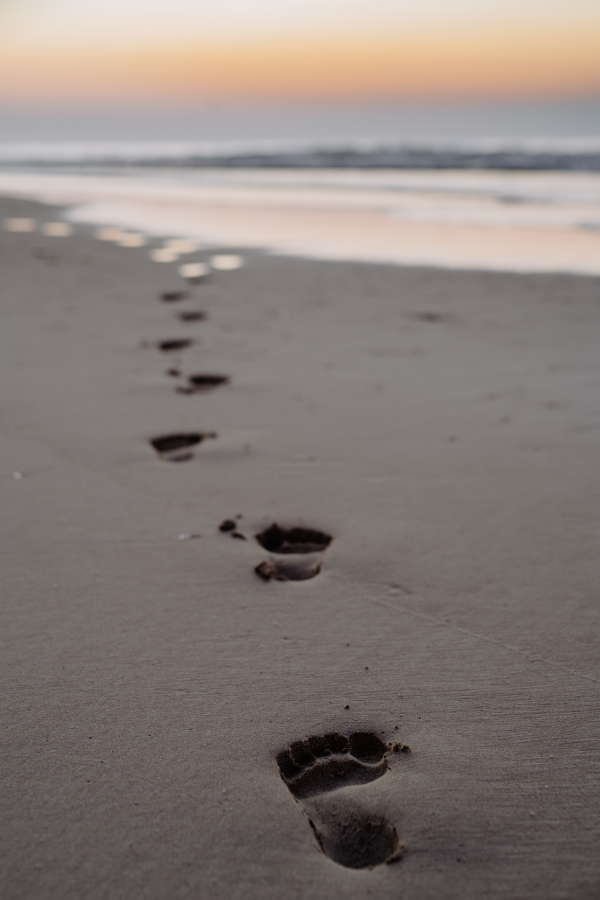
442	427
513	221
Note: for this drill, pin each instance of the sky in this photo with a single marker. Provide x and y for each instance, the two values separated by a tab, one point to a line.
116	51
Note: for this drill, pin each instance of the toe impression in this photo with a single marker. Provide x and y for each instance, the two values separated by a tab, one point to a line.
332	761
323	763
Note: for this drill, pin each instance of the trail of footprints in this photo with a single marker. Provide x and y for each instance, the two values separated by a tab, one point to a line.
179	447
315	770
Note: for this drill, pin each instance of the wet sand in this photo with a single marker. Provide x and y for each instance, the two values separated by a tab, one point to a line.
443	428
495	221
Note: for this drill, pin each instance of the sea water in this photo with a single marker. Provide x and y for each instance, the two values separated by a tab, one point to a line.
496	186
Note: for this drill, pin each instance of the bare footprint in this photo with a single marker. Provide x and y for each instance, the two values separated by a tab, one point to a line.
173	344
173	296
198	384
430	316
315	768
176	447
192	315
297	553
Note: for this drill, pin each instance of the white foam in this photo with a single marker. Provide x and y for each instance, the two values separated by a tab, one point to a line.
132	152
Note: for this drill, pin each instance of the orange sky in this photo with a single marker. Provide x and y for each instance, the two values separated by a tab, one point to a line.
525	58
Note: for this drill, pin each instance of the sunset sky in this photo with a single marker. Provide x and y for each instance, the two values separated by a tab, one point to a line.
122	50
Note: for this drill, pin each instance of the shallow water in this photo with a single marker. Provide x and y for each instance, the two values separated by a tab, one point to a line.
507	221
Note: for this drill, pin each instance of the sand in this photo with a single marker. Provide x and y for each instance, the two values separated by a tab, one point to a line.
443	427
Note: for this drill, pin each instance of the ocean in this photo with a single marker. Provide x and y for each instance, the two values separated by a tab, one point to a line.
507	186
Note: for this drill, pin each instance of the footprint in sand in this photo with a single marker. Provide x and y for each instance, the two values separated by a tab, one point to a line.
173	344
296	553
192	315
429	316
173	296
317	770
198	384
177	447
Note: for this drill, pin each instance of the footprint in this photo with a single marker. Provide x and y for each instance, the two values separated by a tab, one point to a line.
173	296
192	315
169	346
293	540
176	447
316	771
429	316
306	546
199	383
41	253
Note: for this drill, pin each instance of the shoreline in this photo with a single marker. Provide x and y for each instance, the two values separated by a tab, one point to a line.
476	221
441	427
